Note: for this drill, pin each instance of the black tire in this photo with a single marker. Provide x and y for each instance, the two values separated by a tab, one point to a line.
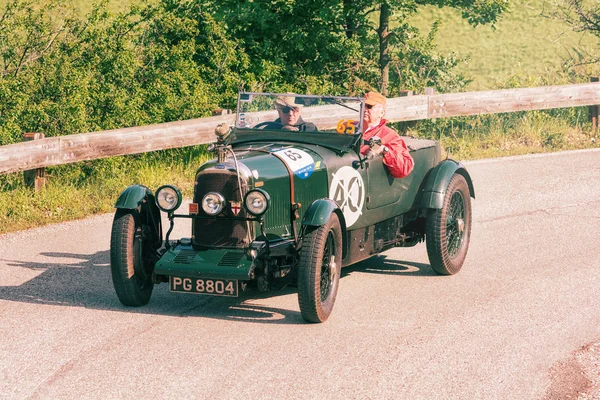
319	270
448	230
131	278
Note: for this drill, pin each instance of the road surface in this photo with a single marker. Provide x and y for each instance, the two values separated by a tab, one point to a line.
510	325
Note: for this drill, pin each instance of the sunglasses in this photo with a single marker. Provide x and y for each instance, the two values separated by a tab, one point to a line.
370	106
286	110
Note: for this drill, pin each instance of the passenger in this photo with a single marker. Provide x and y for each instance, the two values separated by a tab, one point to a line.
396	156
289	116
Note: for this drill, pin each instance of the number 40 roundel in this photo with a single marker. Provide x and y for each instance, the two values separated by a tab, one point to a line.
348	191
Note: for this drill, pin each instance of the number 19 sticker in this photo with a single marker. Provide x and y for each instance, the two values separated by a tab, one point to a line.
348	191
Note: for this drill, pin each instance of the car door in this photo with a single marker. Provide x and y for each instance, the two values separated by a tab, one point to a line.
383	189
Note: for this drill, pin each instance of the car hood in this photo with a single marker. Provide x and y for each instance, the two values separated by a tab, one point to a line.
293	175
299	160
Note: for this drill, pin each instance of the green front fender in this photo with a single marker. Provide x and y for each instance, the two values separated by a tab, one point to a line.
133	197
141	200
319	212
438	181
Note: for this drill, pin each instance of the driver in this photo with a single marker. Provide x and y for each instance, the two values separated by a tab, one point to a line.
289	116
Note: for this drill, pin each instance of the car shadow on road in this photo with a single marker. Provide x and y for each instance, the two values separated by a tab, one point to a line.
86	282
383	265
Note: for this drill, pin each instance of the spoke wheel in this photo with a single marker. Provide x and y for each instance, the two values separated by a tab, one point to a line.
455	224
319	270
131	278
448	230
328	266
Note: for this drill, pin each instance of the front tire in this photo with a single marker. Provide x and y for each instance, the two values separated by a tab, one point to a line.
319	270
131	278
448	230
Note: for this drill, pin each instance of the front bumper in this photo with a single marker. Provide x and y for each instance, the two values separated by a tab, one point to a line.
183	261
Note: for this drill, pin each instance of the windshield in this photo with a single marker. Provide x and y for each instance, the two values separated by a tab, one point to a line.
288	112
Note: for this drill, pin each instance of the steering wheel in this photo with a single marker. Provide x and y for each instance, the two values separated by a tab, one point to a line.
268	125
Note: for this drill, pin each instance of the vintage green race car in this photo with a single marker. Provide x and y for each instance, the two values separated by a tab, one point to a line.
290	204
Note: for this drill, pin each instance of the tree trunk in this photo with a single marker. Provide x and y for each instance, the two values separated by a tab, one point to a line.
350	25
384	44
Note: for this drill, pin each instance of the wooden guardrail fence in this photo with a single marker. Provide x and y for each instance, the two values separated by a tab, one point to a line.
88	146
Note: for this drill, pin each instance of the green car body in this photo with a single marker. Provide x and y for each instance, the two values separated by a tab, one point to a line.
309	185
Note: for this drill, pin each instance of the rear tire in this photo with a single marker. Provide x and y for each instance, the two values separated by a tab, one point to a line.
319	270
131	279
448	230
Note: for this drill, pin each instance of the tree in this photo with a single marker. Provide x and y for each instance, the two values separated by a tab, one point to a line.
350	45
177	59
61	74
393	12
582	16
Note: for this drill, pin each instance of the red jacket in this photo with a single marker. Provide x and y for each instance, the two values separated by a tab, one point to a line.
397	159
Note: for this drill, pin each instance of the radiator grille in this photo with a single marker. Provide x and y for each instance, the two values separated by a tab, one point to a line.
185	257
230	259
220	231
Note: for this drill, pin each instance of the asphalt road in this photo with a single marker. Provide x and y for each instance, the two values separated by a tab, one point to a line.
525	301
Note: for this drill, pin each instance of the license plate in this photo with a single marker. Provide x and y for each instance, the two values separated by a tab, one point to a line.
213	287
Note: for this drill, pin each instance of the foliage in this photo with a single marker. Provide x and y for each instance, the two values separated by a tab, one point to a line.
335	46
581	16
147	65
179	59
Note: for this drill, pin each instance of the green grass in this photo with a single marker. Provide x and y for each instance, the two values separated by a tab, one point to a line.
114	6
85	6
499	135
524	43
79	190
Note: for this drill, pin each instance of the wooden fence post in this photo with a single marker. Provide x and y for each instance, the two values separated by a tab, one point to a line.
404	126
35	178
594	110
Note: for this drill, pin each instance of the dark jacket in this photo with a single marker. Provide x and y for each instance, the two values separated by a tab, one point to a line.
301	125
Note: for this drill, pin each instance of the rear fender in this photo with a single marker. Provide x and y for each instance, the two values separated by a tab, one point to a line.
438	181
140	200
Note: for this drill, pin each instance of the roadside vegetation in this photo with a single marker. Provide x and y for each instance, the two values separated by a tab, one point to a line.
80	68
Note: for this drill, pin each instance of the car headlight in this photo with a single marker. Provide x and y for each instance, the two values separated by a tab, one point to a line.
168	198
213	203
257	202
